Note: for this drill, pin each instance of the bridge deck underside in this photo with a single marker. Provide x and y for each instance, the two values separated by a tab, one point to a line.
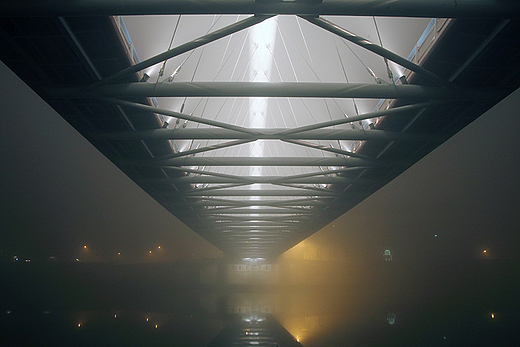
257	215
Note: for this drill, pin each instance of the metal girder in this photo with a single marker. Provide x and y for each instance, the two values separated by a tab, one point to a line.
254	227
259	233
258	192
179	115
250	223
324	172
328	149
266	134
194	179
271	89
396	8
379	50
204	149
400	110
261	161
186	47
269	211
224	219
249	203
131	135
211	174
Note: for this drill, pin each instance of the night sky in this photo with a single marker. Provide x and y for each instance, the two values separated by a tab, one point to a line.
58	193
462	198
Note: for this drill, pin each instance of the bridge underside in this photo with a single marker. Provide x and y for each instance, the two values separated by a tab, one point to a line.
302	175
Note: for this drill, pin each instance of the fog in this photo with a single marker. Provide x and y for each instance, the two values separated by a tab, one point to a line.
450	224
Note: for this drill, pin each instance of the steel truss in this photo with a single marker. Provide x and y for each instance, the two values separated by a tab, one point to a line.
267	214
397	8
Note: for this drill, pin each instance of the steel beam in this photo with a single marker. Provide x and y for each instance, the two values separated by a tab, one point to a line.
186	47
204	149
264	134
396	8
255	224
271	89
133	135
204	173
262	161
250	203
225	219
328	149
400	110
179	115
259	192
209	190
259	211
253	227
194	179
360	41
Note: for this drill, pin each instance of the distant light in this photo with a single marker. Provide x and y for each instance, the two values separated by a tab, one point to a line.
159	247
492	315
79	325
77	259
27	260
147	319
391	318
85	247
156	326
115	316
297	339
118	253
485	251
150	252
435	235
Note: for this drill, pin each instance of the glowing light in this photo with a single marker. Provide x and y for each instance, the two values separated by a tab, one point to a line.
85	247
492	315
118	253
159	247
485	251
79	325
115	316
297	339
147	319
156	326
150	252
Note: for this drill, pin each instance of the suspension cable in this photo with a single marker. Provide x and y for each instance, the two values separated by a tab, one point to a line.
388	70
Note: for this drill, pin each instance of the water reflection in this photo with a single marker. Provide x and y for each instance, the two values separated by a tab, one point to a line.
307	302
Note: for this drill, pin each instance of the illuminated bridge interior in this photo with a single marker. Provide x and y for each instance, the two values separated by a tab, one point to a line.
259	123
